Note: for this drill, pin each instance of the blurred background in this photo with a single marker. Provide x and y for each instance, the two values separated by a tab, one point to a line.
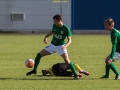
36	15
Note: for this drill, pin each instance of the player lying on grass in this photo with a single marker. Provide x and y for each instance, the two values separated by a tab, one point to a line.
115	52
62	69
59	33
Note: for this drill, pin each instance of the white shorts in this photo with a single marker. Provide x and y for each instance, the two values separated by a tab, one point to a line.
55	49
116	56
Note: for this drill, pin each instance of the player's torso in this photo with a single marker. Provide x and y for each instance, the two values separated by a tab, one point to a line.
59	68
116	34
59	35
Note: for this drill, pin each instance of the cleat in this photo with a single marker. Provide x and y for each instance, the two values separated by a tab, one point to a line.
86	73
104	77
44	72
31	72
76	77
117	77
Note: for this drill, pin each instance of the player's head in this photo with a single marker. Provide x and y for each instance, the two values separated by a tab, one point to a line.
109	24
57	19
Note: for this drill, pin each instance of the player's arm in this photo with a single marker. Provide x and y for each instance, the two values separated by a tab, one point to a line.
50	71
45	38
114	44
69	40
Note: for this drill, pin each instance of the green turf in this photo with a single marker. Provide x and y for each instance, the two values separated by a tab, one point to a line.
89	51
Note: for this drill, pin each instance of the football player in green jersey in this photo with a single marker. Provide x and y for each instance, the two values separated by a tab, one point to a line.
115	52
58	44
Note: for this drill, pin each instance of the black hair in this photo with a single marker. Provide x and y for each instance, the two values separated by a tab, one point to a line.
57	17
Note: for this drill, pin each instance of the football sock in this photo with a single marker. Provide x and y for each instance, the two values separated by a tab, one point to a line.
37	61
77	67
107	67
72	68
114	69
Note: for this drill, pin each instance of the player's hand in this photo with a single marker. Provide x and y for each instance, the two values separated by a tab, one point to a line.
63	47
109	61
45	40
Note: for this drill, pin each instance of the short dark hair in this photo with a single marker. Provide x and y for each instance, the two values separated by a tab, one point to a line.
57	17
109	21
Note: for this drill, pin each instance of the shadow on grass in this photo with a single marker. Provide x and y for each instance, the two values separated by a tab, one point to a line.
38	77
47	77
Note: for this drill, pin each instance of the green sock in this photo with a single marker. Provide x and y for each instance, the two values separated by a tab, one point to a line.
72	68
114	69
37	61
107	67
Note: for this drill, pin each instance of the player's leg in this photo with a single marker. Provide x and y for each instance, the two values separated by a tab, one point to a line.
44	52
110	65
63	52
114	69
37	61
107	68
38	57
80	70
66	59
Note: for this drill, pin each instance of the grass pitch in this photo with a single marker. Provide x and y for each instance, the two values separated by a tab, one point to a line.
89	51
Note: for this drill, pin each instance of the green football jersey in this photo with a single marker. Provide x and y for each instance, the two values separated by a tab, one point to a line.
115	39
59	34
